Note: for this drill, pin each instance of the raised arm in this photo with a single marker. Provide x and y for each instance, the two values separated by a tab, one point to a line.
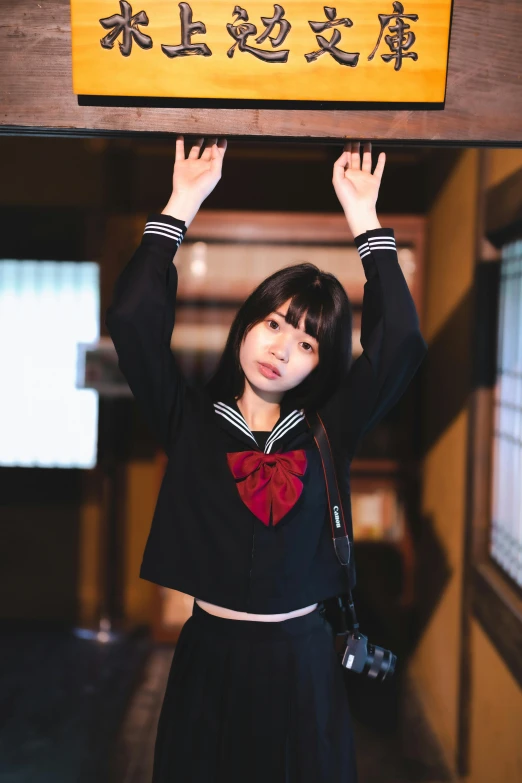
393	346
141	316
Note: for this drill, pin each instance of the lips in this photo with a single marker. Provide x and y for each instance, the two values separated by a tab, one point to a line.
270	367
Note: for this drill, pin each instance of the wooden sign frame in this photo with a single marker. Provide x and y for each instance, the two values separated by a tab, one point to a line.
304	53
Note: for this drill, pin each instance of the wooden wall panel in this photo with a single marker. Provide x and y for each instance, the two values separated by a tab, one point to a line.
484	93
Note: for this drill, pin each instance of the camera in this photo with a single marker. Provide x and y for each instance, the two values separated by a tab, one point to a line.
352	647
370	659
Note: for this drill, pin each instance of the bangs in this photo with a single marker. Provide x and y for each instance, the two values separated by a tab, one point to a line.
311	302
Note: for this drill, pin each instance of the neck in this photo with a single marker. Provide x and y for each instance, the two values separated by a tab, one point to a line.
260	410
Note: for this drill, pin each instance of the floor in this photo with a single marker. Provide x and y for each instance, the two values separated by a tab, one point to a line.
76	711
62	701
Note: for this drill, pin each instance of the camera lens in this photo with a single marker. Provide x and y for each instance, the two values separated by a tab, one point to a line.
380	663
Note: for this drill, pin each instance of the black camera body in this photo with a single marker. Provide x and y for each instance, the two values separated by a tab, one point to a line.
352	647
359	656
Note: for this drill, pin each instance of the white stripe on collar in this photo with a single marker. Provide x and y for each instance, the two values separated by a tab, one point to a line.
288	422
238	420
237	416
226	411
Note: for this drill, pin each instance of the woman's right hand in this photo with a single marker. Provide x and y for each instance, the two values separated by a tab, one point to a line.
195	176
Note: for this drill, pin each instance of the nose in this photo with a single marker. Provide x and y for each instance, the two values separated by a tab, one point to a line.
280	349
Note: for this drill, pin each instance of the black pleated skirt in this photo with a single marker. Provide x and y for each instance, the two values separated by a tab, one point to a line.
255	702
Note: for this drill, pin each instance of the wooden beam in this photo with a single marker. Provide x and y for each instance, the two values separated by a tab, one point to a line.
483	104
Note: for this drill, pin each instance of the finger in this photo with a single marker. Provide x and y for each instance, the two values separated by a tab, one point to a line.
208	151
342	162
355	160
367	157
221	146
196	148
340	166
345	157
379	168
180	148
218	152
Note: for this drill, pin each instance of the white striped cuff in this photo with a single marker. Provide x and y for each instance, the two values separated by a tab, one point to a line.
372	243
164	230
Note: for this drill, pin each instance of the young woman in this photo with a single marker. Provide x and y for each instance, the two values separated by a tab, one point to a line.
255	692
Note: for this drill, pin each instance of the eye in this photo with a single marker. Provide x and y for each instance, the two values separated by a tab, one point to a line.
270	321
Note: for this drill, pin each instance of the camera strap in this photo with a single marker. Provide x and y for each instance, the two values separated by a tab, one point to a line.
341	540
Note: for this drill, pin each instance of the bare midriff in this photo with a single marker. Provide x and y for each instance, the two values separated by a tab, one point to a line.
231	614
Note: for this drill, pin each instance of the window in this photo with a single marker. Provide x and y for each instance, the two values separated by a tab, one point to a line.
495	428
505	543
46	309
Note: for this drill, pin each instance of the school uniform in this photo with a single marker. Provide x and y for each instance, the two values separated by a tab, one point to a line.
241	521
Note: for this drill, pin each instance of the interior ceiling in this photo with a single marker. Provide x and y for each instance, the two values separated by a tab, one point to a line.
290	151
293	176
135	174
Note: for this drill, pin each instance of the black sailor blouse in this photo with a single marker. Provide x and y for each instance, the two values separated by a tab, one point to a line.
267	549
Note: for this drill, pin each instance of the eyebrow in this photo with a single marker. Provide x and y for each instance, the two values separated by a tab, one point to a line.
284	317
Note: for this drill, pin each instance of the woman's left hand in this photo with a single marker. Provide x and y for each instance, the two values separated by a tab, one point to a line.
356	187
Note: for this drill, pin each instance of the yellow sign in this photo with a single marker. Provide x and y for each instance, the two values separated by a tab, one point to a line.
360	50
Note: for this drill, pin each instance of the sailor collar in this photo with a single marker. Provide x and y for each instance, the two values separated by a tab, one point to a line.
291	422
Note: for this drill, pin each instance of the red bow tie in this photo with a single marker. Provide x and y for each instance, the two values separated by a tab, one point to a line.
269	481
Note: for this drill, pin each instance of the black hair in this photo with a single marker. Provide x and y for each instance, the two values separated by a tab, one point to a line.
328	318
